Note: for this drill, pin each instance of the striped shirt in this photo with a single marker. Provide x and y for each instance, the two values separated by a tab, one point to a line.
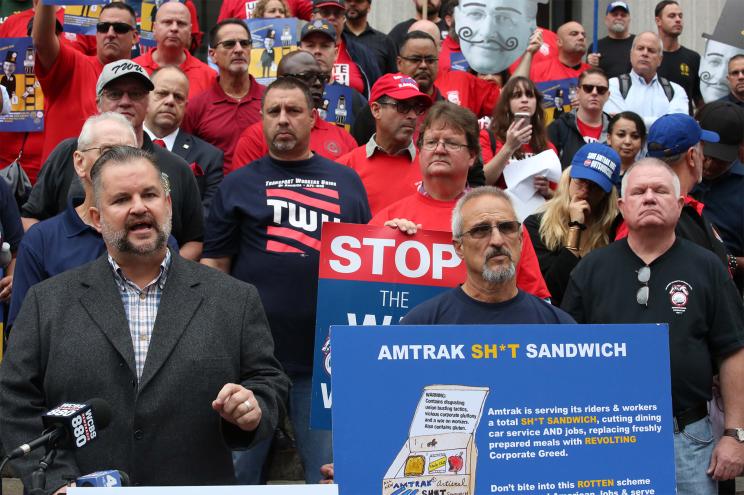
141	307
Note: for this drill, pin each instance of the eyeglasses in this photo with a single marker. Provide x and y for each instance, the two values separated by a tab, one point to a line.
230	44
737	72
119	27
406	106
644	275
118	94
431	145
588	88
101	149
311	76
417	60
485	230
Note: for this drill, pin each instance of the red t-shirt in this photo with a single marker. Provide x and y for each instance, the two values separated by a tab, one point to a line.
69	88
449	49
469	91
590	133
386	178
437	215
553	70
243	9
346	71
487	154
326	140
219	119
200	75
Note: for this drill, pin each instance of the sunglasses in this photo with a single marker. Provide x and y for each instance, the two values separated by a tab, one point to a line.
119	27
230	44
417	60
406	106
311	76
588	88
644	275
485	230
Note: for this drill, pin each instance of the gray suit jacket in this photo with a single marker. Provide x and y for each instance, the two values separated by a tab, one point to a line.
71	342
205	160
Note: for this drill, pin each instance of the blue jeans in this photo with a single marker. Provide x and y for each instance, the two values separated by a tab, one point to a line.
314	446
693	448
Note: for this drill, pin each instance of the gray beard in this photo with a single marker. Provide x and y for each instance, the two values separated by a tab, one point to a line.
499	276
617	28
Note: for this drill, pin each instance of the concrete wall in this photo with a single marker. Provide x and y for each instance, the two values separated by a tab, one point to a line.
700	16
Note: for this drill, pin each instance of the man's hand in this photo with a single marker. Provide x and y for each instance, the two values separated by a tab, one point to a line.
536	41
593	59
326	470
6	288
542	186
237	405
404	225
727	461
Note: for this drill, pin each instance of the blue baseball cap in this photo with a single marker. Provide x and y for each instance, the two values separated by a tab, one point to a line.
675	133
618	5
598	163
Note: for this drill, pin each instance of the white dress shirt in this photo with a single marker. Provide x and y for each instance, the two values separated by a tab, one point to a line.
646	99
169	140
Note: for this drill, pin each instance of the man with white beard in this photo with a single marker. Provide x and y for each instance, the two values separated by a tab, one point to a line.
613	51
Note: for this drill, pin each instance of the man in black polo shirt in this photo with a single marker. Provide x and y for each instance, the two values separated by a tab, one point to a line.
659	277
379	43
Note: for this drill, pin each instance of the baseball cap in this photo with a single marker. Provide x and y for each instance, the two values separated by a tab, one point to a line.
329	3
598	163
397	86
727	120
318	26
114	70
618	5
675	133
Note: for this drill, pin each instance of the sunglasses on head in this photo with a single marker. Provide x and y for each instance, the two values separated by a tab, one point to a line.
588	88
119	27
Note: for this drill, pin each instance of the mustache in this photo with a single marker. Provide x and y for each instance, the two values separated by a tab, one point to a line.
466	34
711	80
498	251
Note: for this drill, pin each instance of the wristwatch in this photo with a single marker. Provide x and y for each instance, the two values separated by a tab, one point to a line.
737	433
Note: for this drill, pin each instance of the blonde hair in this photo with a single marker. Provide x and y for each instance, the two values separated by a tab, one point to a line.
554	223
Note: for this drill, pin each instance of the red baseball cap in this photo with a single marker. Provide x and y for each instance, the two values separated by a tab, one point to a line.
397	86
329	3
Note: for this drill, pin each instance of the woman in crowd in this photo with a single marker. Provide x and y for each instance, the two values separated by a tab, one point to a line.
579	218
271	9
626	133
518	127
587	123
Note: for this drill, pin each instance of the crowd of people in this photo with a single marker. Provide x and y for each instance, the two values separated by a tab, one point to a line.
166	258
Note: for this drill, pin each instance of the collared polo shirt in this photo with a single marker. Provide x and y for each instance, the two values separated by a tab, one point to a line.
200	75
219	119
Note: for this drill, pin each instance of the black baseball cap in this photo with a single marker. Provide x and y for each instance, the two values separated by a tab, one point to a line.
727	120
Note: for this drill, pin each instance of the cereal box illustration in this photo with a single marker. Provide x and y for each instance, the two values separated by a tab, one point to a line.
440	455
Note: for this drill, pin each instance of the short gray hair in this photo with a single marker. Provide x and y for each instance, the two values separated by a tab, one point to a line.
122	155
85	140
473	194
652	162
661	45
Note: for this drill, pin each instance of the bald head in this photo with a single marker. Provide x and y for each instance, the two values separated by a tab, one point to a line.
571	39
172	27
429	28
304	66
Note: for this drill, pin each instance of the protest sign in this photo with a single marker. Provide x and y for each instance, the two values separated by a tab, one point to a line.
23	101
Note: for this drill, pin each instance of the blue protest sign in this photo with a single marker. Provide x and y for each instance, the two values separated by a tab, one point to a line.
514	409
337	105
23	101
272	39
373	276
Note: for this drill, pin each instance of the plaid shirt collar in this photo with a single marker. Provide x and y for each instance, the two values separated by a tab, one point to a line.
122	281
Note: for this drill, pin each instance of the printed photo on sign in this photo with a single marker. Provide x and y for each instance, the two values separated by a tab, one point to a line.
272	39
511	409
557	94
82	18
22	99
373	276
337	106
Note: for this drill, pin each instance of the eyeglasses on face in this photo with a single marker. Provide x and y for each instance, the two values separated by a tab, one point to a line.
311	76
101	149
119	27
431	145
737	73
118	94
406	106
485	230
418	59
230	44
589	88
644	275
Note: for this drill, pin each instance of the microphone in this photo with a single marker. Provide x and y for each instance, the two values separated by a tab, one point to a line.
69	426
105	479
